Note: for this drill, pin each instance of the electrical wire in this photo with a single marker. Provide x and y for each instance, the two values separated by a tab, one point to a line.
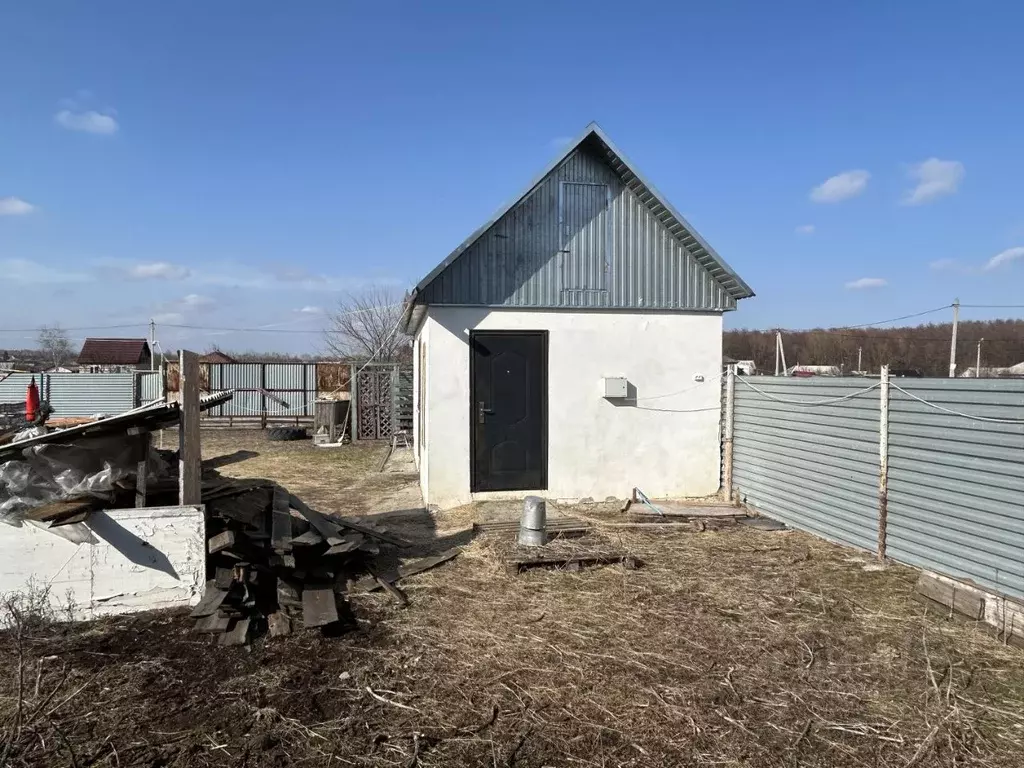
952	412
892	320
258	329
992	306
681	391
678	410
809	404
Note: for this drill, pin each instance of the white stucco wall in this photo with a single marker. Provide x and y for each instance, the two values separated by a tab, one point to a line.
668	446
119	561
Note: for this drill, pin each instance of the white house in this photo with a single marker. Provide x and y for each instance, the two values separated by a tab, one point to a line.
571	347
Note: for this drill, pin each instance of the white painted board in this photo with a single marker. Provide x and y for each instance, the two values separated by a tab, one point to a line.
120	561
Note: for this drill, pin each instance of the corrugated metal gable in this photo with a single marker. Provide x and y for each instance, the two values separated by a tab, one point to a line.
527	259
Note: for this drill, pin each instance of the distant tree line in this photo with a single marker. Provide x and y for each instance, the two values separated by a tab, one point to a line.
923	347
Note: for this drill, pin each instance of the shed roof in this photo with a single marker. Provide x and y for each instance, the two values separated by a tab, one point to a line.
216	357
631	177
113	352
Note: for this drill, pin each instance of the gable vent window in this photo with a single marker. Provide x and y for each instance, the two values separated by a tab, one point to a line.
585	225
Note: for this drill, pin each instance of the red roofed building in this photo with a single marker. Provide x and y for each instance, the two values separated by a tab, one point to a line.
114	356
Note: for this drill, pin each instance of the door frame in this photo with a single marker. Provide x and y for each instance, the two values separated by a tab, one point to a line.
543	409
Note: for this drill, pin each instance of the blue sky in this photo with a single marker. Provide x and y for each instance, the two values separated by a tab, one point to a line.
233	163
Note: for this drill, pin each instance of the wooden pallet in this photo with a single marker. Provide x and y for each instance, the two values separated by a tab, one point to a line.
574	562
558	527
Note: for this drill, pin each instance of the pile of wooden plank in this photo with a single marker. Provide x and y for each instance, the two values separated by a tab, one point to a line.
275	564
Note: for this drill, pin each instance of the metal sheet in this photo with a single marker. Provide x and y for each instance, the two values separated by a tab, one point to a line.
76	394
956	472
956	484
811	463
525	260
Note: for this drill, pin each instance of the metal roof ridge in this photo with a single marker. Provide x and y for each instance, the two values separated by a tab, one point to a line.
738	290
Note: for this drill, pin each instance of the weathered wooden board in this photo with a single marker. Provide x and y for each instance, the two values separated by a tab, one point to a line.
350	543
213	624
281	521
210	602
329	527
223	540
309	539
237	633
319	607
957	599
370	583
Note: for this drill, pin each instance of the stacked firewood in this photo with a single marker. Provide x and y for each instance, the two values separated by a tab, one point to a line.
275	564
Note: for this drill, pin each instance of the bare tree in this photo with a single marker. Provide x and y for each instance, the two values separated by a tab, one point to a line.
365	325
54	342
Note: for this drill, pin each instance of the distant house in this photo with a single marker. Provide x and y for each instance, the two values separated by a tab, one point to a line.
114	356
1008	372
743	367
216	357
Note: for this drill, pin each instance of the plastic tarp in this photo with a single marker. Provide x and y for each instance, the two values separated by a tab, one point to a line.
53	471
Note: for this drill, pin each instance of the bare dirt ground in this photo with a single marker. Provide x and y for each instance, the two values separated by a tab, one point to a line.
729	648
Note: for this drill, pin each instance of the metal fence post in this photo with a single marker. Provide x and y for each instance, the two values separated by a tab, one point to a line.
883	461
730	407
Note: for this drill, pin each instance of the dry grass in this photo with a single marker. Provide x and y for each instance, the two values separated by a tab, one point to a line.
731	648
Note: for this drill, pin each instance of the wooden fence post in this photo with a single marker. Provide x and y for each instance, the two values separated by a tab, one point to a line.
263	395
730	407
353	398
189	450
883	462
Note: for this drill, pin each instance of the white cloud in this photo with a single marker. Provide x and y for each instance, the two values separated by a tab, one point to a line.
195	301
841	187
805	229
89	121
945	265
310	310
934	178
168	317
1004	258
15	206
867	282
24	272
157	270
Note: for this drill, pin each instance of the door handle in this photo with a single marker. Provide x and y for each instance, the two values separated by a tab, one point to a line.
482	411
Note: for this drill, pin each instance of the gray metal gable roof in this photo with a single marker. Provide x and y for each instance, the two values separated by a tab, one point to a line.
673	221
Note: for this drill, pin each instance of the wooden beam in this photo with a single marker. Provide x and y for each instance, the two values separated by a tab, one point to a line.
142	469
281	521
189	450
955	598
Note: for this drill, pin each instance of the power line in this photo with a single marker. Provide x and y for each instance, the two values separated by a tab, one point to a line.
892	320
77	328
992	306
240	330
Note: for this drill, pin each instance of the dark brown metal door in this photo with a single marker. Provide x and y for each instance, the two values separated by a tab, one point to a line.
508	410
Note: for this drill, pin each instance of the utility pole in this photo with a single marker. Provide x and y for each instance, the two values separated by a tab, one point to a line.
152	345
859	351
977	367
952	342
780	354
